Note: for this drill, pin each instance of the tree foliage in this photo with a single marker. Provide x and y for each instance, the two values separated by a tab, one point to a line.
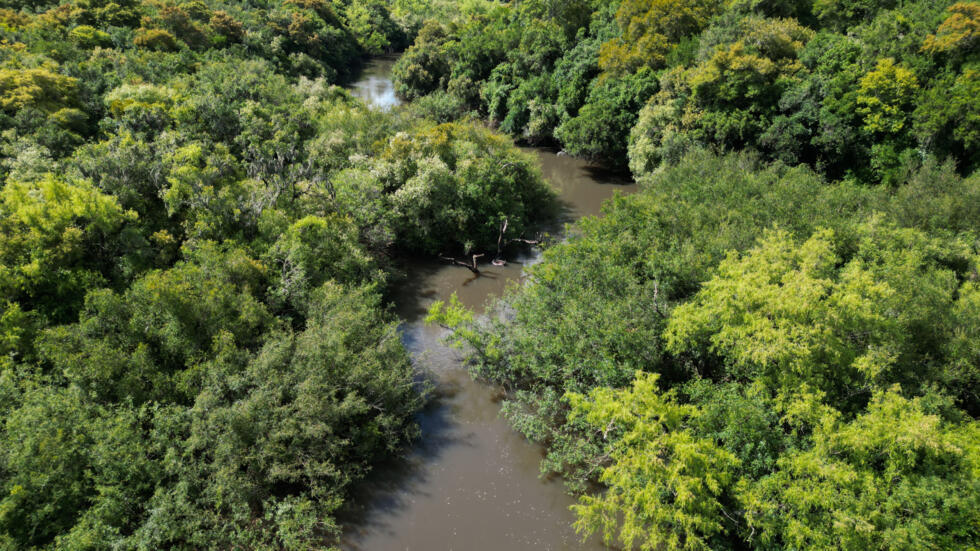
745	355
649	29
197	227
663	482
854	89
896	477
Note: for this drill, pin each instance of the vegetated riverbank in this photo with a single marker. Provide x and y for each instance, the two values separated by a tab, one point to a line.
774	343
196	228
471	482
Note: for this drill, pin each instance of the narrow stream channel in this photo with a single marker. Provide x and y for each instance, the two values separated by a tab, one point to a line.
471	483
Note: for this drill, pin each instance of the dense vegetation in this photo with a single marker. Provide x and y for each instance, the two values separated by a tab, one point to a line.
198	230
852	88
775	343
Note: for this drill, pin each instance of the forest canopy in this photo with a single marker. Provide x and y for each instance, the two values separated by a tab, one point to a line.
856	90
198	229
774	344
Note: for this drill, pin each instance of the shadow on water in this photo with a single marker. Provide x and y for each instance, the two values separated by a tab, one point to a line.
427	280
397	483
470	482
581	186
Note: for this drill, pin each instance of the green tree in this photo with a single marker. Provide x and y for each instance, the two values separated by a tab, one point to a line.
600	131
897	477
148	342
947	118
424	66
74	471
884	96
793	314
59	239
664	484
454	184
43	88
314	250
650	28
281	435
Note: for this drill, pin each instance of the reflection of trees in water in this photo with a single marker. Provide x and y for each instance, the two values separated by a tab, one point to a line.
375	86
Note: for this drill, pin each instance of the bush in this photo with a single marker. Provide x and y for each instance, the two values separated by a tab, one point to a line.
155	39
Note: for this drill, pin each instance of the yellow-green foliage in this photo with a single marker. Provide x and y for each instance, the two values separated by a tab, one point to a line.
663	483
155	39
141	96
885	95
796	314
752	68
48	229
12	19
896	477
53	208
315	249
723	98
456	179
747	68
89	37
722	75
41	87
650	28
777	39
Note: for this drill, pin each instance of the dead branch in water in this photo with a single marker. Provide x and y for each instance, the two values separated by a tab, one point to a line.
501	244
471	266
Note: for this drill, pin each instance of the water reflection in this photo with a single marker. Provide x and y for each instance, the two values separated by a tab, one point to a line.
374	85
471	482
582	187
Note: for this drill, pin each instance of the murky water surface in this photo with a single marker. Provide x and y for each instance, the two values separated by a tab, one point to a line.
471	483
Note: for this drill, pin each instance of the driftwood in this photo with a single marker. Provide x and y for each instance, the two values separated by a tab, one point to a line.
472	264
501	244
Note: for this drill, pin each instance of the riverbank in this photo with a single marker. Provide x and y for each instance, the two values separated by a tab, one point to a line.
471	482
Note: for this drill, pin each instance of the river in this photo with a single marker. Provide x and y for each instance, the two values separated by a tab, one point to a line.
471	482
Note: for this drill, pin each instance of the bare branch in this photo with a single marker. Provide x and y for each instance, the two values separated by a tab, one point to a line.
502	243
471	266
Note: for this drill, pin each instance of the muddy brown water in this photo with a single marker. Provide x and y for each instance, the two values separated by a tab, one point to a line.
471	482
